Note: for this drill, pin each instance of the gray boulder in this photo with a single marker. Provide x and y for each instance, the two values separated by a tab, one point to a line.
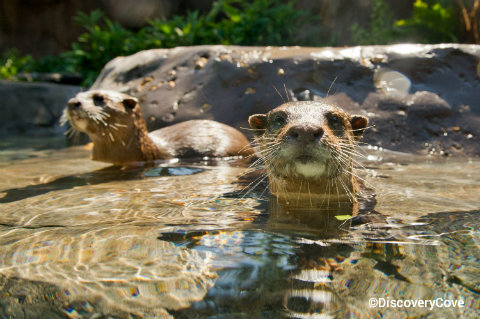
33	108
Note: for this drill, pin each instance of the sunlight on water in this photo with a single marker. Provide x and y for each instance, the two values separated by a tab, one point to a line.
80	239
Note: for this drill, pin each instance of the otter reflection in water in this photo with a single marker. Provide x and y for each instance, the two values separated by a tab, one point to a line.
308	150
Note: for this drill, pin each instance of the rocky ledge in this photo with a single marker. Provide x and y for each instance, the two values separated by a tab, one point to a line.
420	98
33	108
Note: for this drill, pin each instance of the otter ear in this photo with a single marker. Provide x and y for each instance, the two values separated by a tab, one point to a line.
130	103
258	122
359	124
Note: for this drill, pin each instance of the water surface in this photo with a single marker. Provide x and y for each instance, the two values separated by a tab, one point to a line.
81	239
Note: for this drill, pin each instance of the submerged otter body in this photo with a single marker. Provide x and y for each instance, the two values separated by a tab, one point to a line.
115	124
308	149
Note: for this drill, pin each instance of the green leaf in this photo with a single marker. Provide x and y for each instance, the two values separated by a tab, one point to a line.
343	217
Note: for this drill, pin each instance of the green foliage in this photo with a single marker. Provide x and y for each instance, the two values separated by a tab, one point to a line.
261	22
431	22
101	43
381	29
12	63
190	29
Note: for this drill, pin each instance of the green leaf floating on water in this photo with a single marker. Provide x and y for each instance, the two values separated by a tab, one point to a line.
343	217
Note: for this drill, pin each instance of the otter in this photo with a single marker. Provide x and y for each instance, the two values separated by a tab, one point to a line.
115	124
308	149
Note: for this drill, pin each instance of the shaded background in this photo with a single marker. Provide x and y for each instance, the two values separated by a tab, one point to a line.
46	27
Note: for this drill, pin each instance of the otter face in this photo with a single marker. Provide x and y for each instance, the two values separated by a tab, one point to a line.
307	140
100	112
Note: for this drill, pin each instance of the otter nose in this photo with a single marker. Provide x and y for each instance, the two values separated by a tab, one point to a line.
74	104
305	133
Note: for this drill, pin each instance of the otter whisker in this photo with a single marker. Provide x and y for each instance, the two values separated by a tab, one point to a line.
309	194
257	182
347	162
103	122
268	146
349	146
331	85
299	191
286	92
338	192
329	192
351	160
64	118
361	129
252	129
267	151
351	196
71	132
279	94
354	154
264	190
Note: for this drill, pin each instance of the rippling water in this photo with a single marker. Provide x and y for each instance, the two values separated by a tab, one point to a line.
80	239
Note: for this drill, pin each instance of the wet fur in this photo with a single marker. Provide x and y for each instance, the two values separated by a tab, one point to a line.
315	169
116	126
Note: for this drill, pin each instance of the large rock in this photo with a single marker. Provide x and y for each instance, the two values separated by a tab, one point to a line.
33	107
420	98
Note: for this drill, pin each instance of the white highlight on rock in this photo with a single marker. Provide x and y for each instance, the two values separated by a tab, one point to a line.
392	83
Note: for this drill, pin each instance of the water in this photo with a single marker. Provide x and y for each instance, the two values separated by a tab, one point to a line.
80	239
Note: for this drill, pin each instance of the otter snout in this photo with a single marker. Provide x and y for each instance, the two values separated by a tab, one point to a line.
77	114
304	134
73	104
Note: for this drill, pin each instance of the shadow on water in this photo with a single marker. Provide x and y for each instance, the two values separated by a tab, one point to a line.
107	174
104	175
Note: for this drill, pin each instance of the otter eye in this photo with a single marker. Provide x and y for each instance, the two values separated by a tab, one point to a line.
335	121
98	100
278	121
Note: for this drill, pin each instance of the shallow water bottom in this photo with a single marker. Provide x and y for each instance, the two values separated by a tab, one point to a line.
80	239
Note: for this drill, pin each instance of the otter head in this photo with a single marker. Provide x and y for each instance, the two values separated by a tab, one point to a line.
309	145
103	114
115	124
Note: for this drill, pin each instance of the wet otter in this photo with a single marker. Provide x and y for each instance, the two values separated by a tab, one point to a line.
119	133
308	149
